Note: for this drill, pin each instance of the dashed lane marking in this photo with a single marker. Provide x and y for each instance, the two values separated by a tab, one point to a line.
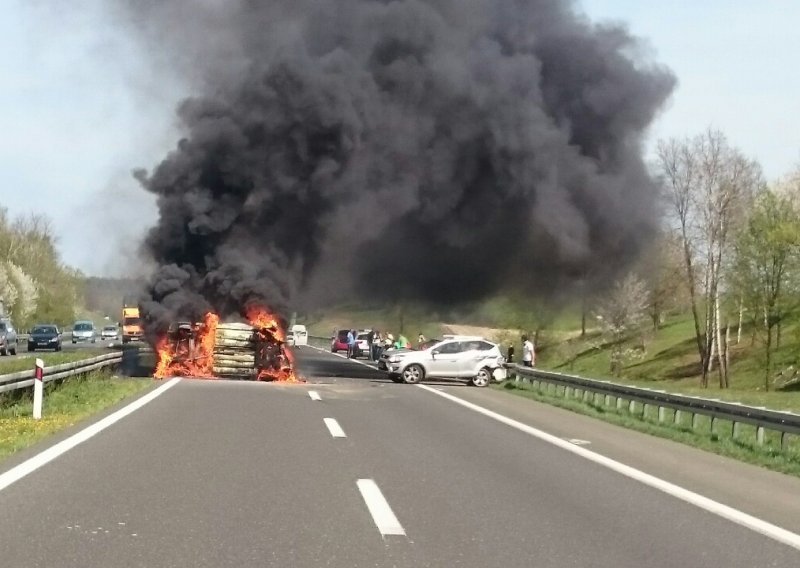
314	395
379	508
334	428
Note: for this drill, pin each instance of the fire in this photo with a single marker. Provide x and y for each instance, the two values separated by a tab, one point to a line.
188	350
274	361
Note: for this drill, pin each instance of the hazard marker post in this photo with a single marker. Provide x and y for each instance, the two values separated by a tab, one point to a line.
38	389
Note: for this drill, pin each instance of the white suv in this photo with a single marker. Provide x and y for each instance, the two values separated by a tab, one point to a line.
456	357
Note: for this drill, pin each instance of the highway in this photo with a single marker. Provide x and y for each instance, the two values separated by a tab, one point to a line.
352	470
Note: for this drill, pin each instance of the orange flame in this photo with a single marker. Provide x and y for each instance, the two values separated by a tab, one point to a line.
188	357
261	319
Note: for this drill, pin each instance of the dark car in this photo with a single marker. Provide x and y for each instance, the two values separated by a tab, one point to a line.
44	336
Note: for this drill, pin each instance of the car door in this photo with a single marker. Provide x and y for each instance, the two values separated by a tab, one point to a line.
445	360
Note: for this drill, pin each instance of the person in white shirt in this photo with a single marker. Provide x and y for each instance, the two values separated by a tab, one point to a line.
528	354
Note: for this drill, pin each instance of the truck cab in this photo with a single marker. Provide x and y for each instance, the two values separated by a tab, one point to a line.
131	325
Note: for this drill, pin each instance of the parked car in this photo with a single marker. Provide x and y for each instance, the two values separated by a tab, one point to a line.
44	336
457	357
83	331
8	338
109	332
339	341
362	344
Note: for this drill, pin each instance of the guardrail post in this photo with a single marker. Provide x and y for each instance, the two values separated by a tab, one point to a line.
662	414
677	417
620	401
38	389
713	420
760	435
694	421
784	441
734	429
631	406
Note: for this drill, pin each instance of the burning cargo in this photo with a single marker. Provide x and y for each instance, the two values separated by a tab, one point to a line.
210	349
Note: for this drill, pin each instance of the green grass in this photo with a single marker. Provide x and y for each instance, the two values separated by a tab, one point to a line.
744	447
25	361
65	404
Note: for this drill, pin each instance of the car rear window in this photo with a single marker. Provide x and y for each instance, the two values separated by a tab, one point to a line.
343	335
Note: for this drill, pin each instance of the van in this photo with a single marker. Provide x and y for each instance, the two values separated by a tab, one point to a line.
300	335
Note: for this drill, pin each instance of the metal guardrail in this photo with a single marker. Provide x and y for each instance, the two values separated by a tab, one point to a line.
25	379
615	394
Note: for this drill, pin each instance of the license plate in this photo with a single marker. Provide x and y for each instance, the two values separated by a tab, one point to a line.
44	343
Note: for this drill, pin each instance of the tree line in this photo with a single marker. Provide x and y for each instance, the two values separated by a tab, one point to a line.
35	286
729	253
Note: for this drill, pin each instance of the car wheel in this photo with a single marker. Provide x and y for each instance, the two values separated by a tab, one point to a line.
396	378
483	378
4	351
13	350
413	374
31	347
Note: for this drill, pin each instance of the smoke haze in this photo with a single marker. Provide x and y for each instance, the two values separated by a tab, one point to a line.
438	150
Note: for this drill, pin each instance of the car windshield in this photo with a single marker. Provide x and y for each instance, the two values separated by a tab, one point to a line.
44	329
110	328
132	321
83	327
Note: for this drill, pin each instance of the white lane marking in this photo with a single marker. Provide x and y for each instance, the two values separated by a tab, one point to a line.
734	515
379	508
29	466
314	395
334	428
359	361
578	442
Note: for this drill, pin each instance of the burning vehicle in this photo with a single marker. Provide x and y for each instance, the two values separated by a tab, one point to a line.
255	350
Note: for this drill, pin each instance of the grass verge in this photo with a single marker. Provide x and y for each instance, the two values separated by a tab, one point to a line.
25	361
65	404
744	447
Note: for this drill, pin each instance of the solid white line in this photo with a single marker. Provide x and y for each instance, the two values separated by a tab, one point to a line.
359	361
314	395
379	508
29	466
740	518
334	428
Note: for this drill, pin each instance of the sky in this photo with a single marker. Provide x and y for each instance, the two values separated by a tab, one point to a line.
81	106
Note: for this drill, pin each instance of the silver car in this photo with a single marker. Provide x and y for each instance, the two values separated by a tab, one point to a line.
455	357
83	331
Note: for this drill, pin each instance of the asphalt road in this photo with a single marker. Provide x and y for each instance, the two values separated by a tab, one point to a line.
215	473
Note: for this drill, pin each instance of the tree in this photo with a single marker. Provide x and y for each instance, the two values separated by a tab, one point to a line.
620	314
710	186
766	260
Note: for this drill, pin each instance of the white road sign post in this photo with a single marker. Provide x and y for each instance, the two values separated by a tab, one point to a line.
38	390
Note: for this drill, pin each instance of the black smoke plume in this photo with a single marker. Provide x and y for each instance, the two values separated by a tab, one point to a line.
430	150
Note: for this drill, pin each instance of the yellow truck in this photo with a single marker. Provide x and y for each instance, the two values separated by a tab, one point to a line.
131	324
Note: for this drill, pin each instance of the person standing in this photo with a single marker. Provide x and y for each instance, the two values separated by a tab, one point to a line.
420	340
351	344
370	339
528	354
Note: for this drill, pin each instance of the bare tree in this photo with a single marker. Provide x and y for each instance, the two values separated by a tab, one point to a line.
621	314
710	185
